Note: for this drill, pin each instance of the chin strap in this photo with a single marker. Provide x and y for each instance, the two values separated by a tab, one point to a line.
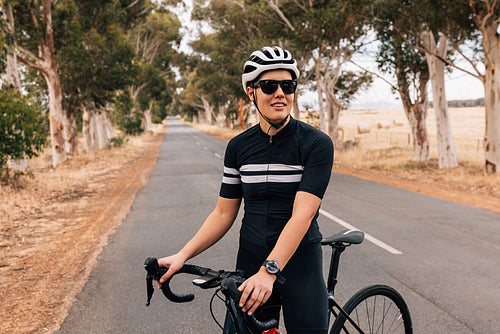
276	125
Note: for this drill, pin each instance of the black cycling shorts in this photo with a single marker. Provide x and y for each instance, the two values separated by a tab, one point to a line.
302	297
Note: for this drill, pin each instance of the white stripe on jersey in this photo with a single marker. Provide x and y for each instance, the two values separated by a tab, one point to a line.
271	178
231	180
269	167
231	171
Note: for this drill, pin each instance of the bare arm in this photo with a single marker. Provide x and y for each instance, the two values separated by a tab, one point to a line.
213	229
258	288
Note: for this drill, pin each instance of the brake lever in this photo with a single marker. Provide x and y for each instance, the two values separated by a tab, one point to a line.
155	272
149	288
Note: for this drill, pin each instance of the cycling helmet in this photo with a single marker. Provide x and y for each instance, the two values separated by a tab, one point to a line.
266	59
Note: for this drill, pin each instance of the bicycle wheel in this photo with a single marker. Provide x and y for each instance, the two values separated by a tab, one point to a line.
375	309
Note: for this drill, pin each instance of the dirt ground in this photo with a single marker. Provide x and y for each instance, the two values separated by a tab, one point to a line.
53	228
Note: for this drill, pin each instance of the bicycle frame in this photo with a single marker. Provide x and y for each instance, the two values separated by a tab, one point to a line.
337	250
234	320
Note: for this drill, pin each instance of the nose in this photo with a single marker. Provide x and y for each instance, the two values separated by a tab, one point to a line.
279	91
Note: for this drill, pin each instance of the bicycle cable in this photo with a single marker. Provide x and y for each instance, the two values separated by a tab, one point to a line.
211	307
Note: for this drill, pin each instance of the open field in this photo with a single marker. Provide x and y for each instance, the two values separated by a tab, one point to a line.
467	124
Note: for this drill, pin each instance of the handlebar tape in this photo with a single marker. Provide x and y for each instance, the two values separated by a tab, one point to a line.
155	272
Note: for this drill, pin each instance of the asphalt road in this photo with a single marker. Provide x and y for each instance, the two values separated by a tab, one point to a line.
446	263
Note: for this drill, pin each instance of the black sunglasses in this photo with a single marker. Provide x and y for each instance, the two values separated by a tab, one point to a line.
270	86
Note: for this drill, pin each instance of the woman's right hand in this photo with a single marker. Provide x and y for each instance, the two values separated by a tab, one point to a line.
173	263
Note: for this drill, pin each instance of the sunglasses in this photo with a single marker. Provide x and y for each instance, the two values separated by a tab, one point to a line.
270	86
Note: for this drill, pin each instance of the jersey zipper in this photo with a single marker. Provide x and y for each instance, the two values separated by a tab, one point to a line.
267	187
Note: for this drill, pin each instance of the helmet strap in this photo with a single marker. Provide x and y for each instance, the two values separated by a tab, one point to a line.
276	125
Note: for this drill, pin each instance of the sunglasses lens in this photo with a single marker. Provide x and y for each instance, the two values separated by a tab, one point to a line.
270	86
288	86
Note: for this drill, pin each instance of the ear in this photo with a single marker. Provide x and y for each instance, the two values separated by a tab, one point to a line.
250	93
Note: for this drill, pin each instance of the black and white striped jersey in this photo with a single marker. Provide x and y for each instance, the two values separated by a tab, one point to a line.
268	171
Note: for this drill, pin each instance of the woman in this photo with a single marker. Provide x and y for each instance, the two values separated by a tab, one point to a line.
281	168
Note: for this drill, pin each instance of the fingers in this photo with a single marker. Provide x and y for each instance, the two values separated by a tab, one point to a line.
253	296
165	277
170	263
258	301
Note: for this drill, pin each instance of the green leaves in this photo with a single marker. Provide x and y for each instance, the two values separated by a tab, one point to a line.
21	127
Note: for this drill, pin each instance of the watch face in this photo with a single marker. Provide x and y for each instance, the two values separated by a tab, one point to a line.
272	267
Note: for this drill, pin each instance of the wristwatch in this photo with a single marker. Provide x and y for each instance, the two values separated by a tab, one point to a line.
272	267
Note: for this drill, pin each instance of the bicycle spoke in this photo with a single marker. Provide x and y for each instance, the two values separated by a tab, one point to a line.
376	315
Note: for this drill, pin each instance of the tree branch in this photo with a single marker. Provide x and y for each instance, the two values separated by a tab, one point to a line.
274	4
25	53
373	73
444	60
31	65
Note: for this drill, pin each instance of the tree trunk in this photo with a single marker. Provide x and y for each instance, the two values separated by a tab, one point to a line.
59	124
321	105
333	108
146	117
447	157
11	75
417	115
491	47
296	108
63	129
87	137
97	130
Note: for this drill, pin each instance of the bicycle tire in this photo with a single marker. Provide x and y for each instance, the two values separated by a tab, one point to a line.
375	309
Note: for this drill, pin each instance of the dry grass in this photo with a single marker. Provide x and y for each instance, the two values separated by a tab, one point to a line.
388	151
53	226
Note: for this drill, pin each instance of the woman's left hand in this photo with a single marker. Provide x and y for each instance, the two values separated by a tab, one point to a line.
256	290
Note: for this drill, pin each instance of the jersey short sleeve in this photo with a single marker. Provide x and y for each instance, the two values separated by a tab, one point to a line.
317	167
231	179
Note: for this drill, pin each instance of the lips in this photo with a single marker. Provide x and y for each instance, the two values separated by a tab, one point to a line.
278	105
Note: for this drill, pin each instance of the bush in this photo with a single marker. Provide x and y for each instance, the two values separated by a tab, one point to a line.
128	120
21	128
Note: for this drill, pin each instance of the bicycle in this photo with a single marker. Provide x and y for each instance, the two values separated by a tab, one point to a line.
373	309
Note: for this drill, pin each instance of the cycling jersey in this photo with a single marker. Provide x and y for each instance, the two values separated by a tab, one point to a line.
267	171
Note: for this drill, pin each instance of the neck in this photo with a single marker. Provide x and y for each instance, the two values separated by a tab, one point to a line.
269	128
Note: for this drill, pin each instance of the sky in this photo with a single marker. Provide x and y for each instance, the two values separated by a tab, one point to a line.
459	85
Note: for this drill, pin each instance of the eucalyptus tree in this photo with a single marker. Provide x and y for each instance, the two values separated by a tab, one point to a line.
397	55
64	42
8	60
154	40
331	32
327	31
476	23
441	28
219	56
34	45
99	62
486	16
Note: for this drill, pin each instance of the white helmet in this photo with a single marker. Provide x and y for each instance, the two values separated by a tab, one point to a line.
266	59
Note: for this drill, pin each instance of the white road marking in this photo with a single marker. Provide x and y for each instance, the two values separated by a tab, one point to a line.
368	237
218	155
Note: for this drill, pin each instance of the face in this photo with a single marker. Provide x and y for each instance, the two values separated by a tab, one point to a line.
275	106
